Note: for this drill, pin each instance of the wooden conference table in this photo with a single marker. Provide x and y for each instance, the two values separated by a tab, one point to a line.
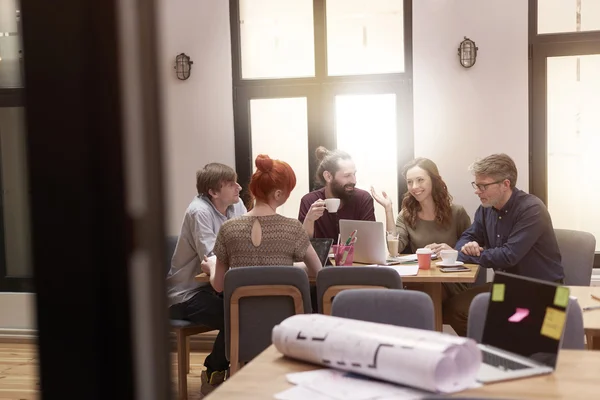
430	279
576	377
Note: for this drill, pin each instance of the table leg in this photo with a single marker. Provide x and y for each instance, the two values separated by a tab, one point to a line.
434	290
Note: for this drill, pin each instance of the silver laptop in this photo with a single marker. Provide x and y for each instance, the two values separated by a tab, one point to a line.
523	329
371	243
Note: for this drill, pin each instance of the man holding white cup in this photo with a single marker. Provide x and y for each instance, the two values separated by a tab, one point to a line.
321	210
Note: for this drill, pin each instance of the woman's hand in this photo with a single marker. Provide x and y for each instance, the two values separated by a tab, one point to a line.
382	199
438	247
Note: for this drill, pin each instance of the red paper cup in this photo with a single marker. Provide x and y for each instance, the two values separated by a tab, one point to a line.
424	258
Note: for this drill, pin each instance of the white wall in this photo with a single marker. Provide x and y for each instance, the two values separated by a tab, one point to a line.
461	114
198	112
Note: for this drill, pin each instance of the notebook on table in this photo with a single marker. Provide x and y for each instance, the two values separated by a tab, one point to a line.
523	328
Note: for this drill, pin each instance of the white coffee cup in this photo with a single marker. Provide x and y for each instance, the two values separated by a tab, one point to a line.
332	205
449	256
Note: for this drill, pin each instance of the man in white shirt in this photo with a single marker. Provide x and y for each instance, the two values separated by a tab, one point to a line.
218	200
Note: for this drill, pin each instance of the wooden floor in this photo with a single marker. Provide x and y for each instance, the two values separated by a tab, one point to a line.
19	375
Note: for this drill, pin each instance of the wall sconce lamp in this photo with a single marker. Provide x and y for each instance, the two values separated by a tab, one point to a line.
183	66
467	53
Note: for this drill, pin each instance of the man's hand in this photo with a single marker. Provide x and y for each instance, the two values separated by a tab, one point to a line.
438	247
316	210
207	264
472	249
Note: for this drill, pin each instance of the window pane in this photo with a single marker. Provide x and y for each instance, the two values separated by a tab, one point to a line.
279	128
573	129
10	45
276	39
365	37
568	16
366	128
15	192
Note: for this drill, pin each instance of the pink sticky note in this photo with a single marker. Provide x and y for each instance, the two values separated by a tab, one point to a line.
519	315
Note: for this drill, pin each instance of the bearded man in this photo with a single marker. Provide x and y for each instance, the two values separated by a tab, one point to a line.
337	174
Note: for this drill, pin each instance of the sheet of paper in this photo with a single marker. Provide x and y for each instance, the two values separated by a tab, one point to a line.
301	393
405	270
425	360
553	324
561	296
342	385
498	292
519	315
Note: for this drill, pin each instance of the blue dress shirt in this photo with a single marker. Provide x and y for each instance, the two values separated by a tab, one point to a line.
518	238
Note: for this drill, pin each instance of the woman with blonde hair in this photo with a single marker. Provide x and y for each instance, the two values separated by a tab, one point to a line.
261	236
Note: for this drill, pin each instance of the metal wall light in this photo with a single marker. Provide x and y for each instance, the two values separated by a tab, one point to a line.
183	66
467	53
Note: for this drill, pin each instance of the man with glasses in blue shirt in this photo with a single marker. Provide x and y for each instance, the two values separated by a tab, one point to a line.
512	231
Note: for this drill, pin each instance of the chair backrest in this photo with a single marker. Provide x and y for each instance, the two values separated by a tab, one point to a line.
408	308
352	278
577	249
260	312
573	337
170	250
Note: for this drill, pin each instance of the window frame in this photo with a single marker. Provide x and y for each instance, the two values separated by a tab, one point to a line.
320	92
542	46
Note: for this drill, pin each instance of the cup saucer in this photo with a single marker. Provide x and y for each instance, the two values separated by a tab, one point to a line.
443	264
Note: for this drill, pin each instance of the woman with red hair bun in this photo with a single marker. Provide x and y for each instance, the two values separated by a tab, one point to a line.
261	236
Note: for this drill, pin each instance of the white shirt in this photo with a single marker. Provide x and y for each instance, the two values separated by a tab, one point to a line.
199	229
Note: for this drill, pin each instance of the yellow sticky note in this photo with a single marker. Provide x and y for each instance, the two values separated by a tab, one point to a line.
553	323
498	292
561	297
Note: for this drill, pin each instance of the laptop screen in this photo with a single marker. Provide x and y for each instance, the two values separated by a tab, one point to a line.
526	316
322	247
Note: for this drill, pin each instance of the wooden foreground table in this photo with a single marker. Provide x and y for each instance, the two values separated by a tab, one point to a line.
431	280
577	377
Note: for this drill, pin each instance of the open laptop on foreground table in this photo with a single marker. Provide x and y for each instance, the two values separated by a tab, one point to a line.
523	328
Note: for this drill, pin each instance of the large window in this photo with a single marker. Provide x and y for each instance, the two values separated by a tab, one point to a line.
336	73
565	122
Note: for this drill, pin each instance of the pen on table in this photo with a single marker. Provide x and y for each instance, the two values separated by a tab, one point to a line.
351	236
595	297
591	308
345	255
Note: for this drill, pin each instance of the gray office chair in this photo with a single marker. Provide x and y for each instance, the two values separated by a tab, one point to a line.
256	299
183	330
408	308
332	280
577	249
573	337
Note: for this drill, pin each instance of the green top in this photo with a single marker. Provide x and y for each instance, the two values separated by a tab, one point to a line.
427	232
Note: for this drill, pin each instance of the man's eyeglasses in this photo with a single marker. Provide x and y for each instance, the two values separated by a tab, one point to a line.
482	187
